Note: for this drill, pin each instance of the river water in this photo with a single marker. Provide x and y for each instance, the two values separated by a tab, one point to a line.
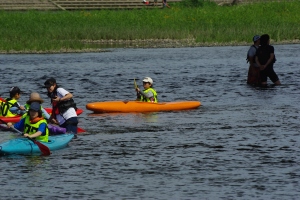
242	143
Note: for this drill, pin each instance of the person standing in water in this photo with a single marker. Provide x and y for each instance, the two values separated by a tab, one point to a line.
63	107
265	58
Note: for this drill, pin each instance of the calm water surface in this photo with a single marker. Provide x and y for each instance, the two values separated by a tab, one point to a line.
242	143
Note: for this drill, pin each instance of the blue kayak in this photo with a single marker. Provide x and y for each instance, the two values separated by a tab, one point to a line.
26	146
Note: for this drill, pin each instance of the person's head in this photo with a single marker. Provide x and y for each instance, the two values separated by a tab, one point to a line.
147	82
35	97
264	39
256	39
35	110
50	84
15	92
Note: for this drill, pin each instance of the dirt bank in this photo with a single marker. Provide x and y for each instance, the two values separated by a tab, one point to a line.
104	45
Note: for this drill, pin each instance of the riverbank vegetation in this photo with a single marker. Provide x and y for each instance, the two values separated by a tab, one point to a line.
189	24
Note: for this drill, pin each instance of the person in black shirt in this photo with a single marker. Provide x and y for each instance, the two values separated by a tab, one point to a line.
265	58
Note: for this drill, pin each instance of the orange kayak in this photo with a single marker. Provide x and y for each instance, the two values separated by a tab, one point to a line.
138	106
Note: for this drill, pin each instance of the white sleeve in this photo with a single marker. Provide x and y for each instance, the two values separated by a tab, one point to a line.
62	92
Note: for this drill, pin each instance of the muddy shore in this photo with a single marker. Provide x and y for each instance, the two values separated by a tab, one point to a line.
104	45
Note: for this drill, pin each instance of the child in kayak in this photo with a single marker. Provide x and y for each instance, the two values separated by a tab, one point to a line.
148	94
33	125
34	97
15	94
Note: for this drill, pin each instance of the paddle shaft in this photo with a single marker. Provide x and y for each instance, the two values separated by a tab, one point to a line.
12	127
135	85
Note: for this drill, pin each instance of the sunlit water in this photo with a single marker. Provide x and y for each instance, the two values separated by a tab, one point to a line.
242	143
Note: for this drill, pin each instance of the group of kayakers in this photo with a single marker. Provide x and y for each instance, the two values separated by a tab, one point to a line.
261	58
34	120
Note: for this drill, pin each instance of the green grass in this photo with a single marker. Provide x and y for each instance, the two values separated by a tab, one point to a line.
52	31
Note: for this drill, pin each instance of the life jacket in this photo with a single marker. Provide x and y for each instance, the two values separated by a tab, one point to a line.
145	99
5	106
31	127
62	106
247	58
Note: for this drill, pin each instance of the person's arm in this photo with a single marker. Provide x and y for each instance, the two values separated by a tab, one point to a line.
41	131
251	61
45	114
148	95
251	56
65	95
18	106
138	95
19	125
257	62
270	59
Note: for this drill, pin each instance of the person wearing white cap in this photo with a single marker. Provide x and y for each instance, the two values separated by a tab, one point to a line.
15	94
148	94
254	71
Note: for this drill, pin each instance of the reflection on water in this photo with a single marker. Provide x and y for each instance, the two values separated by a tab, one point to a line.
148	117
242	142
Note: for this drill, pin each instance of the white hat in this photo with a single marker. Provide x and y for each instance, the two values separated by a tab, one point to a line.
148	80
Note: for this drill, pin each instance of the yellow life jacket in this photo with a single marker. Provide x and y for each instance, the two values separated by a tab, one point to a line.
26	106
32	128
5	106
145	99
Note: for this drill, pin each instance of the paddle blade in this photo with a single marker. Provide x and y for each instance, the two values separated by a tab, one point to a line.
44	149
80	130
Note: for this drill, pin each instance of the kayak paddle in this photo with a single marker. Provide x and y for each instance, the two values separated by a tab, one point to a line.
135	85
80	130
43	148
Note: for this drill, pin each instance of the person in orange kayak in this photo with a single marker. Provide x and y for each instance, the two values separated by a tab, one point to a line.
148	94
33	125
15	94
63	107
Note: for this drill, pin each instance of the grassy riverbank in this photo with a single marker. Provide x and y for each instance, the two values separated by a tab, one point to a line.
37	31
